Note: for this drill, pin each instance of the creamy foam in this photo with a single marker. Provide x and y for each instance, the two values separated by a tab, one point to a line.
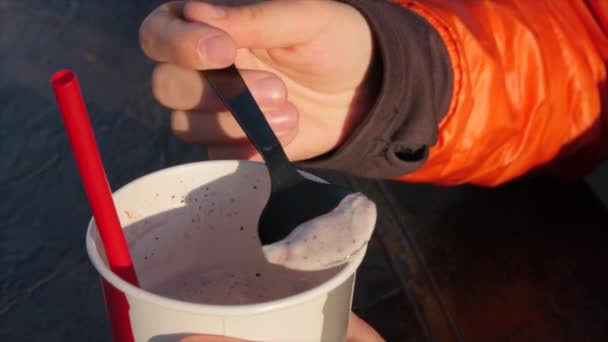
327	240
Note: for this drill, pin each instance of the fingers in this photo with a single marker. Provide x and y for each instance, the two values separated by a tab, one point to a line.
166	37
185	89
266	24
200	117
221	127
360	331
244	150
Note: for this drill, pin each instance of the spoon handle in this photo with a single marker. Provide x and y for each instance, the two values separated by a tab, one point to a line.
233	92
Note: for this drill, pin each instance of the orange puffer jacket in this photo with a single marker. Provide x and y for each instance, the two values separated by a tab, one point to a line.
529	89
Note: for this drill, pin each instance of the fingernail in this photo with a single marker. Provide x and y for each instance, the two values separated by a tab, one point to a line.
269	90
215	51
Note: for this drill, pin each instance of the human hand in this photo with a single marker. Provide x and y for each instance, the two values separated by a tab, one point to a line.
358	331
307	63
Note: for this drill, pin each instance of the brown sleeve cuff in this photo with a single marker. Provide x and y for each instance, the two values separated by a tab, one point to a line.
415	93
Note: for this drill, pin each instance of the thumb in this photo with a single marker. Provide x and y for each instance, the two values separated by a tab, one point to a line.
360	331
266	24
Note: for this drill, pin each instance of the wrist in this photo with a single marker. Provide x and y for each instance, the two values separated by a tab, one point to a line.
367	93
405	100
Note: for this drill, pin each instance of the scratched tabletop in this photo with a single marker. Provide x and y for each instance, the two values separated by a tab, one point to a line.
523	262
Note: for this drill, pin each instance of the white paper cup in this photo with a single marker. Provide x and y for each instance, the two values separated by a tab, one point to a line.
206	214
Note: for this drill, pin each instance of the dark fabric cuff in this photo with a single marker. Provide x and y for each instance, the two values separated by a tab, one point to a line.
415	93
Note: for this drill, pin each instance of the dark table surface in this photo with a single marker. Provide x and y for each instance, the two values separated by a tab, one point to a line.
523	262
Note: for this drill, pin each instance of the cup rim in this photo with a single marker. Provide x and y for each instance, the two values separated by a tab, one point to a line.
225	310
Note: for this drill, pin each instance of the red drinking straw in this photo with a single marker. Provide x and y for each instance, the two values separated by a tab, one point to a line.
78	127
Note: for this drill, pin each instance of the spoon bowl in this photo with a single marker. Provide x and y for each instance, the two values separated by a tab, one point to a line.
293	199
292	205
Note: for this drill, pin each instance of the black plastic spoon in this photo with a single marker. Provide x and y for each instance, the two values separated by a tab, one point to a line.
294	199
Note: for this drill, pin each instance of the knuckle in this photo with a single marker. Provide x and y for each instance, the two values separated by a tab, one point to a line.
184	48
